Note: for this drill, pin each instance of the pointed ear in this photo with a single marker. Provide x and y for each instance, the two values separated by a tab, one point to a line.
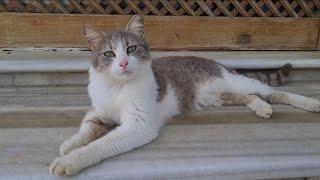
136	25
93	36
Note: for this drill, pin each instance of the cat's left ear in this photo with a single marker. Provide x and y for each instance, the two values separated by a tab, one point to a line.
136	25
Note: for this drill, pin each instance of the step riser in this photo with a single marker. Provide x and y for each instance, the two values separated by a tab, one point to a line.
65	106
43	79
41	117
81	78
71	117
64	60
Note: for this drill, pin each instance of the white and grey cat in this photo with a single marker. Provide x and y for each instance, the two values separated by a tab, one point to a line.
133	96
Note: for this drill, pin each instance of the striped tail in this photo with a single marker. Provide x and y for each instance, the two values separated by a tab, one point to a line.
272	77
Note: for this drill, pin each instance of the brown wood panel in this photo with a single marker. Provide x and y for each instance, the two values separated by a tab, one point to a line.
318	39
163	32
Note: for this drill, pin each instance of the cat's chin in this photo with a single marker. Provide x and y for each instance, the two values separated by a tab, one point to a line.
126	73
124	76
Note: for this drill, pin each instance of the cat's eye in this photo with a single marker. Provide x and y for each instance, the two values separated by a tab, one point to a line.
131	49
109	54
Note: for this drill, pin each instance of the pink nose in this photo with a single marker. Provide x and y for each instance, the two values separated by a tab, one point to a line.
123	64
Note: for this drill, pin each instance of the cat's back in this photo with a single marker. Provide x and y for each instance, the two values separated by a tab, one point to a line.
183	73
179	65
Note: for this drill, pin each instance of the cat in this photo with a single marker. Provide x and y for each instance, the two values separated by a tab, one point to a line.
133	96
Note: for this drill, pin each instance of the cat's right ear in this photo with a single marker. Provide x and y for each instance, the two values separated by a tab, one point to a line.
136	25
93	36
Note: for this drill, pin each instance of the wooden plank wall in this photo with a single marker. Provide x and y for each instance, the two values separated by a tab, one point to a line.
318	41
164	32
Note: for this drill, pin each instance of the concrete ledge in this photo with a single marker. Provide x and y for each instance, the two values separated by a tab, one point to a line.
45	79
66	106
233	151
220	143
75	60
35	117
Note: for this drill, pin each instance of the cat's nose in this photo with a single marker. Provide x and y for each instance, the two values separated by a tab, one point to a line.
123	64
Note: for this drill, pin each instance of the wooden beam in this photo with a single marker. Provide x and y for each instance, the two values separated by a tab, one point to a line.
318	38
164	32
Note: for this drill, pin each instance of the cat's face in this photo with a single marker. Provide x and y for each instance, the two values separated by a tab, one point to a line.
120	54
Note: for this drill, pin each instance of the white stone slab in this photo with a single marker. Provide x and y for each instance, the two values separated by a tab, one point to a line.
66	106
237	151
78	61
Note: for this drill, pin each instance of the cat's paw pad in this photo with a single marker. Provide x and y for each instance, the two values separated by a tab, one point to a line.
59	167
316	106
67	147
264	111
309	104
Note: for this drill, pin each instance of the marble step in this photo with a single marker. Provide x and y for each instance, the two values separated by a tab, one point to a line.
218	143
68	67
27	79
211	151
65	106
77	60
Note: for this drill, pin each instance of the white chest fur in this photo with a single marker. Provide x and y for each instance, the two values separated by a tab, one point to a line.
112	100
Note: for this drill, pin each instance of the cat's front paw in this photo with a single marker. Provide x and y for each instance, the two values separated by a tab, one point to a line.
63	167
68	146
264	110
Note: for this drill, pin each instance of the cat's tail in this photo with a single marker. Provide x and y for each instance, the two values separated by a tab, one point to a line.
272	77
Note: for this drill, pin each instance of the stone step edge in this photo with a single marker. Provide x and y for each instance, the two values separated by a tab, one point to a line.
70	116
65	60
236	151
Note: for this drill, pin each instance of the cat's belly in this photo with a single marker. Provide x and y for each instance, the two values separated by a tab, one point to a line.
208	94
169	105
205	96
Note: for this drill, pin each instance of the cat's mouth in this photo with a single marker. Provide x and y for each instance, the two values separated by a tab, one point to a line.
127	72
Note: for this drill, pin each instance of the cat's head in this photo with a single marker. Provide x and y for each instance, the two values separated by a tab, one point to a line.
120	54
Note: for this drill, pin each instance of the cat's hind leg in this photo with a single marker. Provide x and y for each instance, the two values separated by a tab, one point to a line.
90	129
241	84
254	102
302	102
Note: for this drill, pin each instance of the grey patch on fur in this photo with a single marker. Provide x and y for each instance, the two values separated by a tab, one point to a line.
184	74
